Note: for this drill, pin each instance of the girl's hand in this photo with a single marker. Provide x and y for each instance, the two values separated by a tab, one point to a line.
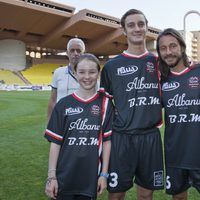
51	188
102	185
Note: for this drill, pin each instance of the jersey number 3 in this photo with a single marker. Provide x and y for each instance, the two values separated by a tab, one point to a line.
113	179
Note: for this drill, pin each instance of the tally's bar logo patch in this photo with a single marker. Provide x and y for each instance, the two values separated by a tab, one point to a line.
73	111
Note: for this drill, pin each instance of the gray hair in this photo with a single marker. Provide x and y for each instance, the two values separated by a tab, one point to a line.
78	41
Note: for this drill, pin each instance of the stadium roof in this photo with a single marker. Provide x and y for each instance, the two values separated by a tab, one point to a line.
46	26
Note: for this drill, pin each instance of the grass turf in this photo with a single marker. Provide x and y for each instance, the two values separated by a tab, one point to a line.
24	151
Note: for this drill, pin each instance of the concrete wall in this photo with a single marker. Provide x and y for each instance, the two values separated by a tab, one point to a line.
12	55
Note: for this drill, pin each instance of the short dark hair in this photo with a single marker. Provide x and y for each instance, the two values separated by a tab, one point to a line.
164	68
132	12
88	56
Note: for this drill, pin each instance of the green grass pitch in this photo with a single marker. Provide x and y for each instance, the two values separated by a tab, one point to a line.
24	151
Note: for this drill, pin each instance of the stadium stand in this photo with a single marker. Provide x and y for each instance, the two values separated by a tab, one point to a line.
56	25
40	74
10	78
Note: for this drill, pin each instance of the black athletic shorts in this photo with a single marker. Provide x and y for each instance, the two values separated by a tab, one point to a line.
73	197
137	157
179	180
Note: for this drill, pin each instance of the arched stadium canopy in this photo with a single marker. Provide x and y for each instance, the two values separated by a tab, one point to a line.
46	26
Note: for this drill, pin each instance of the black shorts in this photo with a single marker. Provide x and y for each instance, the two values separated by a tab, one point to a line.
138	156
73	197
179	180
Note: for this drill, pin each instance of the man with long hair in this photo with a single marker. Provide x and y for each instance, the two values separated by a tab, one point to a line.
181	100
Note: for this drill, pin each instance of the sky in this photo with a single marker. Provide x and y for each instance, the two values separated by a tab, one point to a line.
160	14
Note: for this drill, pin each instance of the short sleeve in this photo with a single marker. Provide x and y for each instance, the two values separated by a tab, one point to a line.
107	119
54	83
105	82
55	128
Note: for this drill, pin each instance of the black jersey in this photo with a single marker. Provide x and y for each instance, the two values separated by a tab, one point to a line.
80	127
133	82
181	100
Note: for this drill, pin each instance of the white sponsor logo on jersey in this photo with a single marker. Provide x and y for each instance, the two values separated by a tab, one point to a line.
144	101
83	141
184	118
139	84
170	86
181	100
123	71
73	111
81	124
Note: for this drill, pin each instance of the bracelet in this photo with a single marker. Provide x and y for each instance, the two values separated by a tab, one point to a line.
51	170
104	174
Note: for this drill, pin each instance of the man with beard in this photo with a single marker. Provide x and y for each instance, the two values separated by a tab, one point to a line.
131	78
181	100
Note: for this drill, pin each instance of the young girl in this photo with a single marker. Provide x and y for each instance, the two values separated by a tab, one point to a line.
79	131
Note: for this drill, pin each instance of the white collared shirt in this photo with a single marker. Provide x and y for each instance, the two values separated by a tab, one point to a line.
64	82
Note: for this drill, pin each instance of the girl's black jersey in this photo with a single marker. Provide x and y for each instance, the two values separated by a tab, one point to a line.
181	100
80	127
133	82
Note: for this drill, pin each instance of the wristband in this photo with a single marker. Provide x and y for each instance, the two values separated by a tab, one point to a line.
105	175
